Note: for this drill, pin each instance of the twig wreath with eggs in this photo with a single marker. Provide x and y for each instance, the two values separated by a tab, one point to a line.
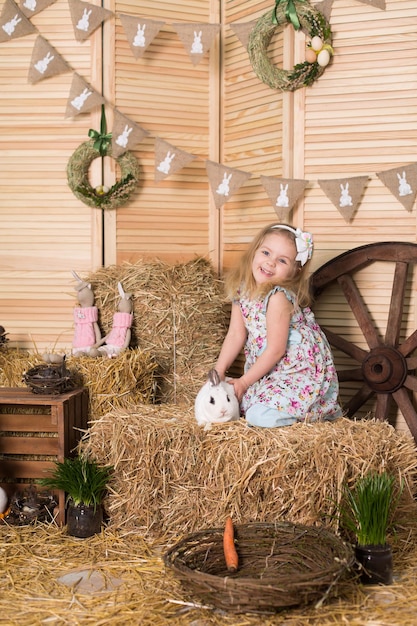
319	51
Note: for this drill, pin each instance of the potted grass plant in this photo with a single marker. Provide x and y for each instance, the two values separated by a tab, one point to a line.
84	482
367	511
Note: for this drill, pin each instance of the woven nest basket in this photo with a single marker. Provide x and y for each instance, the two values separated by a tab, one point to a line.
281	565
49	379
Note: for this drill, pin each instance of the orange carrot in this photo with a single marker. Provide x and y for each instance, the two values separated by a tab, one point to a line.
229	548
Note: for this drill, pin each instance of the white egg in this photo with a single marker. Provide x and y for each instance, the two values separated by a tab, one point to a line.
3	500
317	43
323	58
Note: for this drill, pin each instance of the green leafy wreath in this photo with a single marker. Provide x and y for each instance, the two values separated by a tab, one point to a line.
101	197
302	16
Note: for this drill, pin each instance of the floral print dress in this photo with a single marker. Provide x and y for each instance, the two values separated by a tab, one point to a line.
303	384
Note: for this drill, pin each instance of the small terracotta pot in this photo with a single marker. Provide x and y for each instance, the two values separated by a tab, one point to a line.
376	564
84	521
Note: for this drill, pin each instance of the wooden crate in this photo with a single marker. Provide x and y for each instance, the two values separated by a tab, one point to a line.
48	426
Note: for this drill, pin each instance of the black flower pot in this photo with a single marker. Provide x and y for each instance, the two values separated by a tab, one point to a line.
375	564
84	521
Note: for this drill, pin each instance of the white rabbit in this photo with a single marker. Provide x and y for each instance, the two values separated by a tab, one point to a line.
4	500
79	101
216	402
123	139
282	199
404	188
345	198
30	4
197	47
84	22
139	39
42	64
165	165
223	188
9	27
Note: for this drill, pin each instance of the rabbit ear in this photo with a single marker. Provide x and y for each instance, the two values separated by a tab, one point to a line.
74	273
121	291
213	377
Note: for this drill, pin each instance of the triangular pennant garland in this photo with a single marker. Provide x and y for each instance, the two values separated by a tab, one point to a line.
224	181
125	134
283	193
325	8
139	32
82	97
86	18
242	31
45	61
169	159
197	38
32	7
13	22
345	193
402	182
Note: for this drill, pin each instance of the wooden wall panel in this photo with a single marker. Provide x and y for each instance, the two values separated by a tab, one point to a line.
256	125
45	231
178	102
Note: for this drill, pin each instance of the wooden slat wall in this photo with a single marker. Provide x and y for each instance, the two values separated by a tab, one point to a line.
253	131
178	102
360	118
45	231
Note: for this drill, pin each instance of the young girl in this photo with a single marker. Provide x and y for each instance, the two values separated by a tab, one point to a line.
289	374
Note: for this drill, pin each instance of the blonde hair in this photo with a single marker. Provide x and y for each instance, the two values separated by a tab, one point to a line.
240	279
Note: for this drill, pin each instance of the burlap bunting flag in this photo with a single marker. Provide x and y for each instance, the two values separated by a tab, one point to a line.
379	4
283	193
45	62
86	18
126	134
345	193
13	22
82	97
197	38
224	181
32	7
402	182
242	31
325	8
169	159
139	32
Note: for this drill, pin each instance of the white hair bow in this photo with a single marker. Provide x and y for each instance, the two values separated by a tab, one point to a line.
303	242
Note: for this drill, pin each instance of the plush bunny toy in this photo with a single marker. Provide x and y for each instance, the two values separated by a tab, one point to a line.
86	329
119	337
216	402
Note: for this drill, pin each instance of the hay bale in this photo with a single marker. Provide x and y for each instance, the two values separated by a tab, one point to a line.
172	477
13	364
179	317
115	383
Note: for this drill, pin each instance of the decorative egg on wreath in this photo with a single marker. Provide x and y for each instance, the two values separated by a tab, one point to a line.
101	197
318	53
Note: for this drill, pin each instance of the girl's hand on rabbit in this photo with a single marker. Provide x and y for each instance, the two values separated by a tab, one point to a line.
240	386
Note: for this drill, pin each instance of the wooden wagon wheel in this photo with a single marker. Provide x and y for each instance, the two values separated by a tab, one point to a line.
386	368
